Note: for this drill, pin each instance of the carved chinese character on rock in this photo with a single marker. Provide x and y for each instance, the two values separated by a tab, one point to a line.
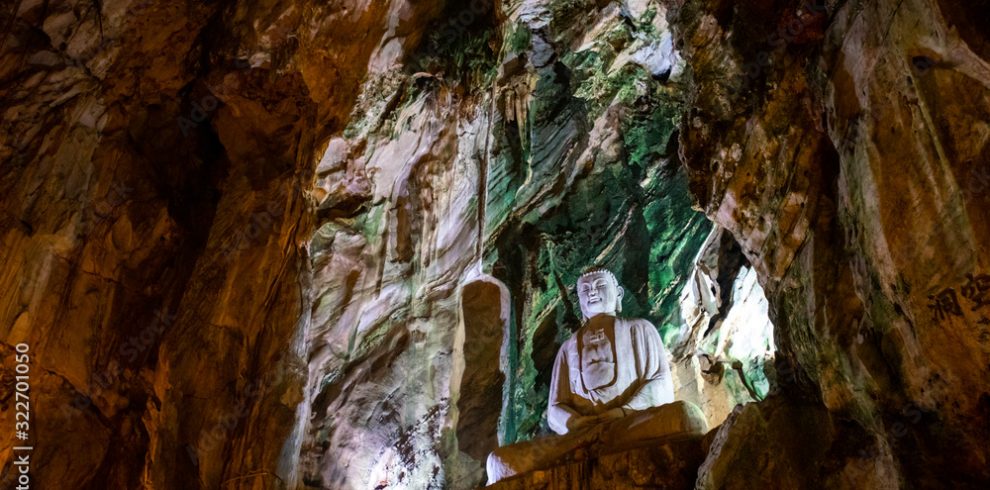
944	304
977	290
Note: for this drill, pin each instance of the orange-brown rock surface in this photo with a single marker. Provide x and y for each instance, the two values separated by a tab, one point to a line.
844	145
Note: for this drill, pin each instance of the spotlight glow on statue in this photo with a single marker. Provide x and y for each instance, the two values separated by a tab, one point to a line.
610	373
610	366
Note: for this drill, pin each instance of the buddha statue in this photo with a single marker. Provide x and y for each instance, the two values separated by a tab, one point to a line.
608	380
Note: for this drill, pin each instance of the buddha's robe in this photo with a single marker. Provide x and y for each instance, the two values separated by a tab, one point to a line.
606	365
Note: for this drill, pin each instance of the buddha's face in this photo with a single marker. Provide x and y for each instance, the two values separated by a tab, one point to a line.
598	293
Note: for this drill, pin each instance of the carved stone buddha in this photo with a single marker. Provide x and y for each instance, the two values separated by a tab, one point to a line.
607	379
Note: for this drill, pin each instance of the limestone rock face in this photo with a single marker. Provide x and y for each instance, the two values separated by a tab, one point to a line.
844	145
725	348
157	209
288	243
304	244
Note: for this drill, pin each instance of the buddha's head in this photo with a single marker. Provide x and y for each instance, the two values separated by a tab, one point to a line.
599	292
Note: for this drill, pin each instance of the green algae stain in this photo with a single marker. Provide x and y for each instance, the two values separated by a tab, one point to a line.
372	222
517	39
646	135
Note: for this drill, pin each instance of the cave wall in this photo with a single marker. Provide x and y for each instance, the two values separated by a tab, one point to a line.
235	233
157	193
844	145
723	353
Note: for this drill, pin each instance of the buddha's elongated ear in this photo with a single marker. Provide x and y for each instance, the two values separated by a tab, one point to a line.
618	298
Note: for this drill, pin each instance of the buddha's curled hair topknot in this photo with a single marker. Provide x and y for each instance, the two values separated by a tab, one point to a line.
599	269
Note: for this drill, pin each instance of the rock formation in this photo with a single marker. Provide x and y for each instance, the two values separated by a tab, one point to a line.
838	142
298	244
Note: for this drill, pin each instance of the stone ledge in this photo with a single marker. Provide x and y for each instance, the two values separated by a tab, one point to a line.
668	463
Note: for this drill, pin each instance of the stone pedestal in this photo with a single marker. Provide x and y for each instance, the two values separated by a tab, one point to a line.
669	463
662	445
